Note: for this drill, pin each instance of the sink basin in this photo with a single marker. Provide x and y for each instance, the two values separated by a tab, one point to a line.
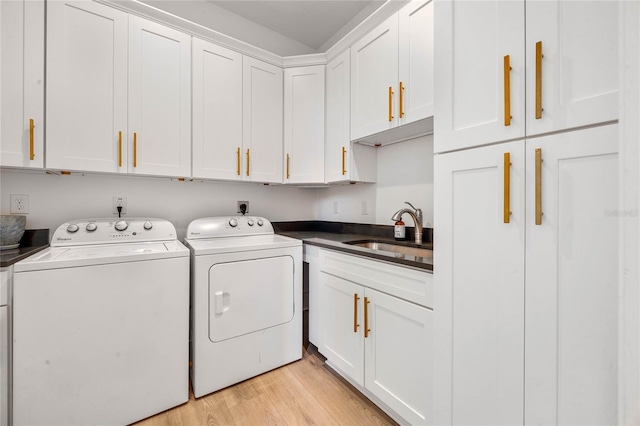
396	249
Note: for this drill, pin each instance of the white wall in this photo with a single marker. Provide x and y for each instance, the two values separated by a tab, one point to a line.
56	199
405	173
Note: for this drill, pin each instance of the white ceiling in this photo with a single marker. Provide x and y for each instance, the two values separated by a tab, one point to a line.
283	27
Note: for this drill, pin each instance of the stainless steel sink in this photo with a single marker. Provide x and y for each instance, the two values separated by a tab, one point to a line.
396	249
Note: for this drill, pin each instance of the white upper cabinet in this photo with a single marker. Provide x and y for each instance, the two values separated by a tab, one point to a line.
480	96
22	83
217	112
569	54
573	80
159	99
304	124
262	121
392	72
86	87
118	92
344	160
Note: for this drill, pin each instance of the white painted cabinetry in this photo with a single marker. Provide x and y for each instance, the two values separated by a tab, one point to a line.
262	97
527	312
217	112
118	92
568	54
304	124
344	160
22	83
376	325
392	72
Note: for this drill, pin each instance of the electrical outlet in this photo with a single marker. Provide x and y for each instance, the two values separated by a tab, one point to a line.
19	204
336	207
246	207
119	202
365	208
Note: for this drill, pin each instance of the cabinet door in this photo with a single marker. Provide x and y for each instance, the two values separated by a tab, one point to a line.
473	38
304	124
374	76
337	149
572	279
415	61
479	286
342	325
22	83
217	112
86	87
159	99
4	366
399	355
578	66
262	121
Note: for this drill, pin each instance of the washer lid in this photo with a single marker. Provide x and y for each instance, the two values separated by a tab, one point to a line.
240	244
88	255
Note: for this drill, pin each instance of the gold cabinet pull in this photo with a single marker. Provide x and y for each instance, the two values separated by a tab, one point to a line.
119	149
287	166
238	155
400	102
507	186
135	149
344	152
539	80
355	312
507	91
538	186
32	153
366	318
248	160
390	103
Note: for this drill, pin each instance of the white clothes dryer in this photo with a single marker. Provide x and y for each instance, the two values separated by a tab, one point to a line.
246	300
101	324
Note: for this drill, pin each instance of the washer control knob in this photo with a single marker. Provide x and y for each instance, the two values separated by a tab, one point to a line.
260	222
72	228
121	225
250	222
91	227
233	223
147	225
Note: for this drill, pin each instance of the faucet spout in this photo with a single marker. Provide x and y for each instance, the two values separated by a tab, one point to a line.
416	215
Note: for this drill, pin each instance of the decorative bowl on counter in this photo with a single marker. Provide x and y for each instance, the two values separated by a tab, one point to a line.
11	230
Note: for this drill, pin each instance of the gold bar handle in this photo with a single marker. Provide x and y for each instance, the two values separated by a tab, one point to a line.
390	103
248	160
32	153
135	149
287	166
238	156
355	312
538	186
401	101
507	91
366	318
119	149
539	80
507	186
344	152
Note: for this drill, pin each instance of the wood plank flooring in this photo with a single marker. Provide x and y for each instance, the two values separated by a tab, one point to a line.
305	392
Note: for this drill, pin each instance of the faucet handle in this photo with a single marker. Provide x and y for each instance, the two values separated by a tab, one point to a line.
406	202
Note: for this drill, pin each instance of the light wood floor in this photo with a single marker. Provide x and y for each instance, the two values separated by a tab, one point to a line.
305	392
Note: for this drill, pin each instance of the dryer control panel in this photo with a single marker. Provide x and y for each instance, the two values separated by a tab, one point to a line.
228	226
109	230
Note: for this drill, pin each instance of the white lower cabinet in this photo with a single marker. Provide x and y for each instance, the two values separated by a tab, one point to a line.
381	343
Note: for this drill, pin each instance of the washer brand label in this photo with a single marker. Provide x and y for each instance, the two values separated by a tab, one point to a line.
63	239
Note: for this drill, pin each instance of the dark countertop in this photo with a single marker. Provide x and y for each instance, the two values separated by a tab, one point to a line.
31	242
332	236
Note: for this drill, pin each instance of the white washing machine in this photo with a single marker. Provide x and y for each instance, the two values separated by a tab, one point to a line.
101	324
246	300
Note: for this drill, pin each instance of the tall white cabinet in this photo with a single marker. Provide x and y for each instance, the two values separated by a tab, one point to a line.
118	92
22	83
526	280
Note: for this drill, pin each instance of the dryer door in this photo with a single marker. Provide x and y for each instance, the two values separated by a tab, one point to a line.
250	295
